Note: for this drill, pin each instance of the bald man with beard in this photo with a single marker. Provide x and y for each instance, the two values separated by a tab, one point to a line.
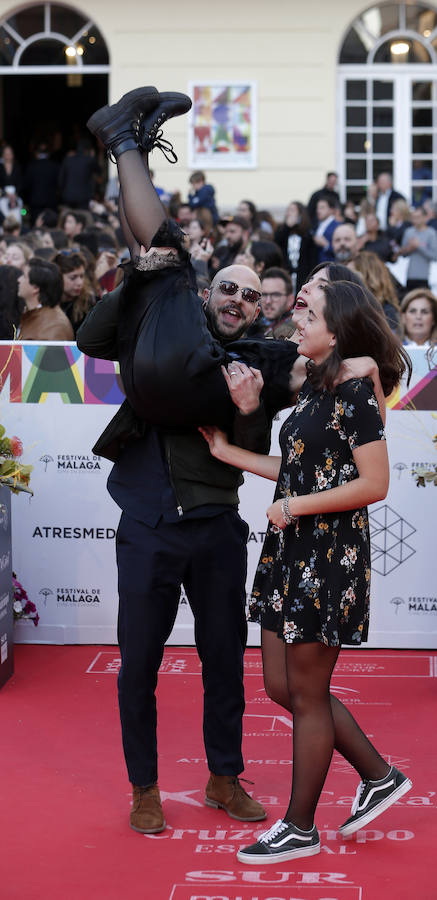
180	523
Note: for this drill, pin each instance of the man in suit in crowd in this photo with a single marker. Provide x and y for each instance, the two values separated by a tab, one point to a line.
327	192
385	198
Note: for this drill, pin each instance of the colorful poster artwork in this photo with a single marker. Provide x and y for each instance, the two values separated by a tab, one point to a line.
222	132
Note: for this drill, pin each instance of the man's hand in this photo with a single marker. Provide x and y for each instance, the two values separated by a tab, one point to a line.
245	385
364	367
203	251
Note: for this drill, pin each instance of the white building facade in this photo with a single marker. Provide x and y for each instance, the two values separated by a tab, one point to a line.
334	86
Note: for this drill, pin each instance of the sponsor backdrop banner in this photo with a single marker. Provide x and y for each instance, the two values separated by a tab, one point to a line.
63	538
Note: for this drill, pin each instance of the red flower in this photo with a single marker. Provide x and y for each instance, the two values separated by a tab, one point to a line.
16	446
29	608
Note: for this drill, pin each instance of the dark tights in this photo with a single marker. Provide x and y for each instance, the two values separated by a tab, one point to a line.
141	211
297	676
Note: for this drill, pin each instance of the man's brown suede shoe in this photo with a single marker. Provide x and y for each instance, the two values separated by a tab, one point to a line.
146	814
225	792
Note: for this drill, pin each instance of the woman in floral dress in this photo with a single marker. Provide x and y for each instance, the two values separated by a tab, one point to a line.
311	590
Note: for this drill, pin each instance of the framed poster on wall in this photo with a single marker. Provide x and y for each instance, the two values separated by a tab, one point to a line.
223	127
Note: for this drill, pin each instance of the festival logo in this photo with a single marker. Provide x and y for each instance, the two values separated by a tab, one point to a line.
83	595
72	462
45	592
416	605
397	602
46	459
422	605
425	473
400	467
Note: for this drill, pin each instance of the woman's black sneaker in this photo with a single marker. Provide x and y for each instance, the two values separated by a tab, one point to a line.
281	842
373	798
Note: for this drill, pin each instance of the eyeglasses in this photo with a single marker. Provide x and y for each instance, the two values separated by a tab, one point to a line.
250	295
275	295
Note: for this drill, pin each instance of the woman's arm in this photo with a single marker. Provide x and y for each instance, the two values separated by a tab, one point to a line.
353	367
371	485
266	466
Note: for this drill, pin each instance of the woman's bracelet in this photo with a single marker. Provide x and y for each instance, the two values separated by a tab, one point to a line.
288	516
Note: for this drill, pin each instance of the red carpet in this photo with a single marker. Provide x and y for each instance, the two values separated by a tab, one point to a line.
65	797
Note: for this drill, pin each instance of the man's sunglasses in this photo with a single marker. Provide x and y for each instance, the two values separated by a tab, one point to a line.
250	295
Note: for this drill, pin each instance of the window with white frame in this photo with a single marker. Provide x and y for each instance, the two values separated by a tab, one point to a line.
387	96
50	35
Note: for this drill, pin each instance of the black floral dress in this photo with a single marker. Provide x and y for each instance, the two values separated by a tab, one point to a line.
313	578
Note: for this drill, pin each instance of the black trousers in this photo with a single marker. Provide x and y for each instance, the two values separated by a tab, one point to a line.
208	556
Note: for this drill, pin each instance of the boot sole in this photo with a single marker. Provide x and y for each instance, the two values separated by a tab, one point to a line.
149	830
403	788
257	858
215	805
99	118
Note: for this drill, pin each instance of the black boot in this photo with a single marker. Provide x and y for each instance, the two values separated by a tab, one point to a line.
117	125
149	133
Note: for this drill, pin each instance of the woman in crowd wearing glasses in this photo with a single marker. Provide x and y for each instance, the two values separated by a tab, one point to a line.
311	590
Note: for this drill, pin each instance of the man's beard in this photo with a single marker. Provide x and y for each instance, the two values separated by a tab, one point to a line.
237	247
343	255
213	325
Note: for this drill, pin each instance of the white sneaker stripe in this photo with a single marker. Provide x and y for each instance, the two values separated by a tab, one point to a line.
374	790
290	837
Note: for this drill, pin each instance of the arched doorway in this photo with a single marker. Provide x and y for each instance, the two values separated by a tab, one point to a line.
54	67
387	99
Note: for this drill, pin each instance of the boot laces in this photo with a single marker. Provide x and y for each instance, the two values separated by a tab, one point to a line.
357	799
273	832
165	147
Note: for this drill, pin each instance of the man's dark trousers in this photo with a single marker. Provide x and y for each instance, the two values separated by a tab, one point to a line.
208	556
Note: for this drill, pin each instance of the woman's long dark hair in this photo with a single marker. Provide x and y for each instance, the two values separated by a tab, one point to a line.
68	261
11	305
356	319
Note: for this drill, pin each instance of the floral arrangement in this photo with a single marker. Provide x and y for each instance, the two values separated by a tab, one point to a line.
12	473
22	606
16	477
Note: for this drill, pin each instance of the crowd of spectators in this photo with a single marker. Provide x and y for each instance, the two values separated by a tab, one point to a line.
62	246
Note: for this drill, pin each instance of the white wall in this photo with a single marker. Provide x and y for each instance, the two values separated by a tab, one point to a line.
290	49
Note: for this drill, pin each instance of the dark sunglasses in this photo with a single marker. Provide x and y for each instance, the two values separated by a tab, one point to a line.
250	295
